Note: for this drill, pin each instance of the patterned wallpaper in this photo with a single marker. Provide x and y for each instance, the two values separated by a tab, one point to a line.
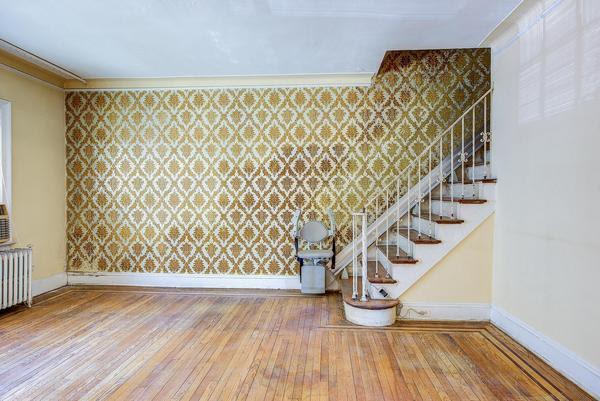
206	180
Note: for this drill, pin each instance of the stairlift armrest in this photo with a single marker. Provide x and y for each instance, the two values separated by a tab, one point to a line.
295	220
331	222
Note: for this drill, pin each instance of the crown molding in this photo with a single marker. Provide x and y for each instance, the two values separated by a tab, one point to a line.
257	81
19	65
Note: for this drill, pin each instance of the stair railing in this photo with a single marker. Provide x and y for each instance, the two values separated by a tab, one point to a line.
429	169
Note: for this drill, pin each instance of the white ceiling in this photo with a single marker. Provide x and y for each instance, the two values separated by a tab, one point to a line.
186	38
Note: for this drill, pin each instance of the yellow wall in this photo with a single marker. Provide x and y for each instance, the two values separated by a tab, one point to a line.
546	128
462	276
38	170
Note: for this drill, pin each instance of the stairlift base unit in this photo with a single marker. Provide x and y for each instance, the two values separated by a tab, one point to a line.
313	279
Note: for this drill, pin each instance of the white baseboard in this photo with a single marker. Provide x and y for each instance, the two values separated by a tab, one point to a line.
565	361
42	285
444	311
185	280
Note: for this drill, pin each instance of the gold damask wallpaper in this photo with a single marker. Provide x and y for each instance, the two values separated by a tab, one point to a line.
206	180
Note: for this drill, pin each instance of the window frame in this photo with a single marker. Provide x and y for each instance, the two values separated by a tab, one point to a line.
6	158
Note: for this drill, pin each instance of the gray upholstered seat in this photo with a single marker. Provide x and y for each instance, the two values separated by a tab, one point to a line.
315	253
315	236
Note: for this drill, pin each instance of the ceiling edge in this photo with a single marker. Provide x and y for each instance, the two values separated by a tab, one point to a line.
256	81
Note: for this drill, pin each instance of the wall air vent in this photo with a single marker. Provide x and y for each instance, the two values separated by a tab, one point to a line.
4	224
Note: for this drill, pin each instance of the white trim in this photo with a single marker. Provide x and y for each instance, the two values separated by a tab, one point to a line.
184	280
42	285
218	82
6	157
560	358
34	59
444	311
499	23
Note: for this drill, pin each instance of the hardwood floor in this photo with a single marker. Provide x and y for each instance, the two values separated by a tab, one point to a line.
89	343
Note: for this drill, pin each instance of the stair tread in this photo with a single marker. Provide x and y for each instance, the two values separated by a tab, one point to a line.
371	304
458	199
401	258
439	219
416	238
383	275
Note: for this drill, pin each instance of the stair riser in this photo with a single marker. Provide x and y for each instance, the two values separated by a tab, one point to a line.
423	225
395	240
477	172
472	191
479	155
374	290
449	209
364	317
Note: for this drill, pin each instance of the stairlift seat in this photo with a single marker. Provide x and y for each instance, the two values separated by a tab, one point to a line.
315	253
314	259
313	231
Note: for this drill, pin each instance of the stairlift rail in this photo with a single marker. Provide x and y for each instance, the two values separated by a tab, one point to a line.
405	170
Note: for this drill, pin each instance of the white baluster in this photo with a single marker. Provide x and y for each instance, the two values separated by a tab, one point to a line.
473	153
409	248
364	257
354	259
452	173
484	138
463	159
376	238
430	189
441	174
387	216
397	217
420	193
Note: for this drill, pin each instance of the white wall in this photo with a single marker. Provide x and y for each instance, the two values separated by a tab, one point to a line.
546	127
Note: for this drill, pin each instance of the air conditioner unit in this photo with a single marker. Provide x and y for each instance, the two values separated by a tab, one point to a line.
4	224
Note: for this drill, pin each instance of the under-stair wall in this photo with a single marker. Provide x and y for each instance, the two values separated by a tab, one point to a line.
459	287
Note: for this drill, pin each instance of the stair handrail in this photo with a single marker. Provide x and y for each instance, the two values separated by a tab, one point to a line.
434	141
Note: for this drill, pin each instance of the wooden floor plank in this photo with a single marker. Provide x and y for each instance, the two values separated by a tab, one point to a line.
170	344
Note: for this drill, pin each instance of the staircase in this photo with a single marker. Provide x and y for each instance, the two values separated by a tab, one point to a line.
406	228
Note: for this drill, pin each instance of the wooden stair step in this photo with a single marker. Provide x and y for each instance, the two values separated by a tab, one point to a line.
466	201
400	259
439	219
416	238
370	304
382	278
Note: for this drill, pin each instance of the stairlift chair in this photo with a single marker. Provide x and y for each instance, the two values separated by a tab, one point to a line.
315	256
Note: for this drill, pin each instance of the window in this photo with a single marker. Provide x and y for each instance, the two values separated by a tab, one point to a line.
5	154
